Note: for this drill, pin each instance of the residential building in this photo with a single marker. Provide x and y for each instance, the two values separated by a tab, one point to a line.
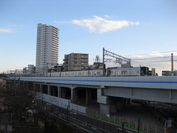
31	69
75	61
46	47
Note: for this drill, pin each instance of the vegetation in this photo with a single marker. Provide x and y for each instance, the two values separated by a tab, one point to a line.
26	114
18	100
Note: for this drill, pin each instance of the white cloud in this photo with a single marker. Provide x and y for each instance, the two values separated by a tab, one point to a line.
107	16
5	30
15	25
101	25
157	60
147	56
57	22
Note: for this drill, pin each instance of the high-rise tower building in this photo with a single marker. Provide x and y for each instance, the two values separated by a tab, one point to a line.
46	47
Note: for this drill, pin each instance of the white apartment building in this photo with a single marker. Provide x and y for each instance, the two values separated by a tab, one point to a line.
46	47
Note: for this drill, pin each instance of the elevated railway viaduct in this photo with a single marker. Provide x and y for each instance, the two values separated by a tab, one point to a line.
111	93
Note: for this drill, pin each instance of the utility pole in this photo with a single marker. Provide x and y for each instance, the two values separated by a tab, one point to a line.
103	62
172	72
57	67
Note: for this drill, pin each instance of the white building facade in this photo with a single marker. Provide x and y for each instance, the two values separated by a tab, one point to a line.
46	47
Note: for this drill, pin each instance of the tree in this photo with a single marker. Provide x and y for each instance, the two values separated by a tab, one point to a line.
17	105
19	99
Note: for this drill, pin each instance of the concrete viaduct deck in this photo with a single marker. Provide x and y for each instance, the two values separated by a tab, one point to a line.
162	89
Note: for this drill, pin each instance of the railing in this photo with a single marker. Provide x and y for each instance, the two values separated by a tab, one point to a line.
131	124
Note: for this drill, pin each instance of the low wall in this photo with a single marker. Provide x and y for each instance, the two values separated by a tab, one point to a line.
53	100
61	102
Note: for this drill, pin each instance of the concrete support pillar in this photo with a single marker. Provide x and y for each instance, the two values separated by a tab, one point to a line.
59	91
40	88
49	92
104	101
74	97
101	98
87	96
105	108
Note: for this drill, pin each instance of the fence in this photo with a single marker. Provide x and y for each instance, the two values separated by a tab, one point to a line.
134	125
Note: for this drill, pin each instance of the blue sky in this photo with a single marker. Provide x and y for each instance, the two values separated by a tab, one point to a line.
145	31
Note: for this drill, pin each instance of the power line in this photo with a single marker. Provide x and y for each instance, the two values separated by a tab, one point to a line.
151	53
143	58
152	58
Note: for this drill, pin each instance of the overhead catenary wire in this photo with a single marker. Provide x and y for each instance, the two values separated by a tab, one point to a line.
142	58
153	51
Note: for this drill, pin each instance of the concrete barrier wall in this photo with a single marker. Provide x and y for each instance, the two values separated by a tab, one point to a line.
78	108
61	102
54	100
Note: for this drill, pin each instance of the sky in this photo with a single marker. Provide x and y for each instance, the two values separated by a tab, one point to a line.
143	30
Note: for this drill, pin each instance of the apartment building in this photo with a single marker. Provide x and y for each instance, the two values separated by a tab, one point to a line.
75	61
46	47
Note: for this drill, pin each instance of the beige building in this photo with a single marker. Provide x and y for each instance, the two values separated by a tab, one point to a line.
75	61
